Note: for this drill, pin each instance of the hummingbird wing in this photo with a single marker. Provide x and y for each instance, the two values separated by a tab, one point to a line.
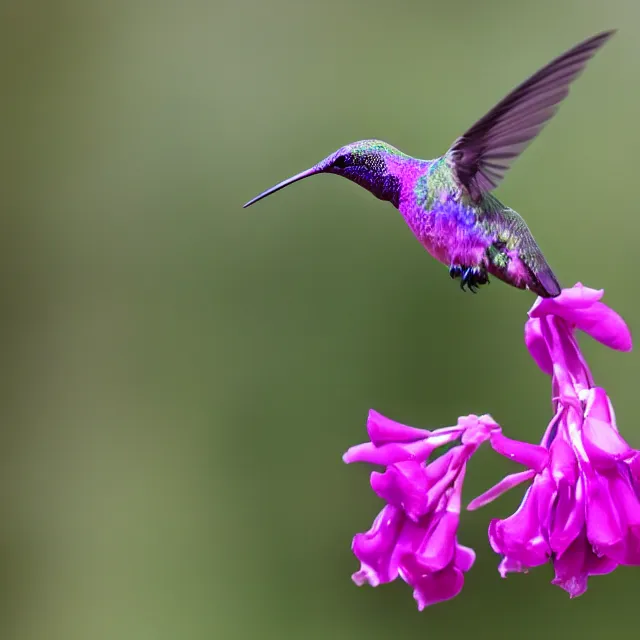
481	157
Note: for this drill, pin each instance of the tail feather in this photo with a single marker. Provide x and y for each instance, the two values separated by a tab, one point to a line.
549	287
533	274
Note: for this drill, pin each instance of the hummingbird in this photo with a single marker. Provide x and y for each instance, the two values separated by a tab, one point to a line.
448	203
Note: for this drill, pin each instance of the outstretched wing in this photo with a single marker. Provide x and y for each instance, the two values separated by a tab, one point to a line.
481	157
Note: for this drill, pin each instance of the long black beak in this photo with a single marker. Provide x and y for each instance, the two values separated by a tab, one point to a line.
285	183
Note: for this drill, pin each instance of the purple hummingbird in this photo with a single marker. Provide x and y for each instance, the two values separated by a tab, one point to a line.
447	202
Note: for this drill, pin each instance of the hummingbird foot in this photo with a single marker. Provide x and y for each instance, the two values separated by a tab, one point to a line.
471	277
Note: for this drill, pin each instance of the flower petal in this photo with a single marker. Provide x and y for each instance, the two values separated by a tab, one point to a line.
602	442
532	456
634	470
572	298
477	430
576	564
391	453
431	588
564	465
568	520
403	485
382	429
580	307
465	557
374	548
510	565
537	345
503	486
570	568
628	507
438	549
604	527
520	537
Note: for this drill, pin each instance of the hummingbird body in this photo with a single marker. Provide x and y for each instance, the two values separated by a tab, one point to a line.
447	202
470	237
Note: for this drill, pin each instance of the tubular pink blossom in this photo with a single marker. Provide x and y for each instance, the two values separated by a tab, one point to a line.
414	537
582	510
580	307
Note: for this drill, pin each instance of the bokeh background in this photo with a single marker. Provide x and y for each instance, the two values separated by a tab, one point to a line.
181	377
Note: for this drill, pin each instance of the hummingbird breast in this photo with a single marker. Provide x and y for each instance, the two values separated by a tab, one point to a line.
448	227
458	231
452	235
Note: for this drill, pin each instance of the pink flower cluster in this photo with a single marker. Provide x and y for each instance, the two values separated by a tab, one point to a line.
582	509
415	534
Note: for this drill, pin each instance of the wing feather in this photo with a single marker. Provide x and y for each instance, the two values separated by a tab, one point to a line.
481	157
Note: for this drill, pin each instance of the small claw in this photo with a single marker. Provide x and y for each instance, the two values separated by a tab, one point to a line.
471	278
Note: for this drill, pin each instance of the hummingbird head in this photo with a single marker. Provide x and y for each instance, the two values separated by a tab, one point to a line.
367	163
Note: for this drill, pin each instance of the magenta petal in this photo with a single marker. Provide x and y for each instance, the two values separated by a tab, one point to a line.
570	568
627	505
598	406
511	565
391	537
436	491
537	345
599	565
564	465
568	519
382	430
578	296
630	552
604	527
443	472
403	485
576	564
573	298
391	453
465	557
519	537
624	496
545	489
477	430
606	326
568	368
503	486
597	319
438	549
532	456
603	444
431	588
436	469
375	547
634	468
572	359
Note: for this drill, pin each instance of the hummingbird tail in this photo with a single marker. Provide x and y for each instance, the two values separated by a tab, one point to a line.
544	283
529	271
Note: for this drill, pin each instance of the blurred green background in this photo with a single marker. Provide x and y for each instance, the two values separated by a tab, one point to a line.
181	377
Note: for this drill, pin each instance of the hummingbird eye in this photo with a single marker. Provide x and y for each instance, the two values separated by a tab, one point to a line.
340	162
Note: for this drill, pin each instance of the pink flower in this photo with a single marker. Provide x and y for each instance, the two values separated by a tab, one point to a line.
582	510
415	535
